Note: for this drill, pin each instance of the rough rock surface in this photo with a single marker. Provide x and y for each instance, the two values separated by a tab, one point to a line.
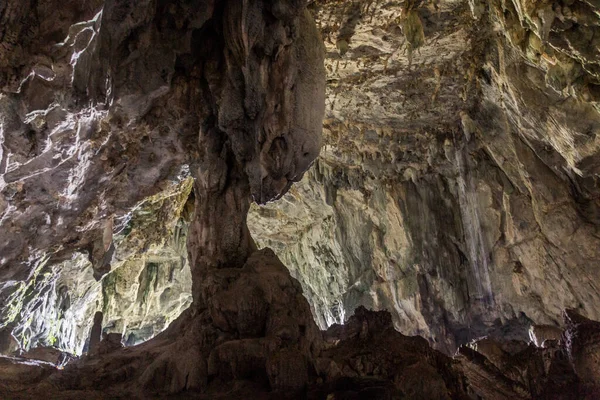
148	286
228	352
457	187
77	120
559	370
248	81
367	358
458	182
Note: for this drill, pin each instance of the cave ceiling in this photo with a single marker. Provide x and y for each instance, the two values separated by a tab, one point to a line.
452	178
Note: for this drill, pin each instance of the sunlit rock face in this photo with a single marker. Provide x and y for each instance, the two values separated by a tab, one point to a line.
87	134
101	110
76	131
241	95
457	186
148	287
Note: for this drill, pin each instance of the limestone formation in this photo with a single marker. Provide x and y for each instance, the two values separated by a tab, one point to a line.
250	80
559	370
539	334
148	287
147	155
367	358
95	333
457	186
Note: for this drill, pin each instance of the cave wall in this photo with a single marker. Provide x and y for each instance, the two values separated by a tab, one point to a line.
100	119
457	186
148	286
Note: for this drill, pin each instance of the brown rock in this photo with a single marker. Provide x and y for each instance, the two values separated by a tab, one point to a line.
582	342
288	371
540	333
366	355
8	343
48	354
96	332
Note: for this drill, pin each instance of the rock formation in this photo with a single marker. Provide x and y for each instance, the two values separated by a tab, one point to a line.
559	370
456	188
367	358
249	79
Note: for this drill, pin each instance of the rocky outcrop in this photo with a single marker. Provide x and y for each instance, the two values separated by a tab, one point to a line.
69	162
368	358
113	124
253	79
17	374
148	287
95	332
256	327
456	188
230	350
76	155
457	175
50	355
559	370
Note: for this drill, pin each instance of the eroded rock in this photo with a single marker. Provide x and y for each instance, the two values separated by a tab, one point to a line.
559	370
368	357
249	77
456	187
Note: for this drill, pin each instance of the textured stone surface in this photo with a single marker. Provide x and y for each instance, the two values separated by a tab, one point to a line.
211	350
148	287
457	186
367	358
248	81
559	370
118	121
72	157
454	171
77	121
